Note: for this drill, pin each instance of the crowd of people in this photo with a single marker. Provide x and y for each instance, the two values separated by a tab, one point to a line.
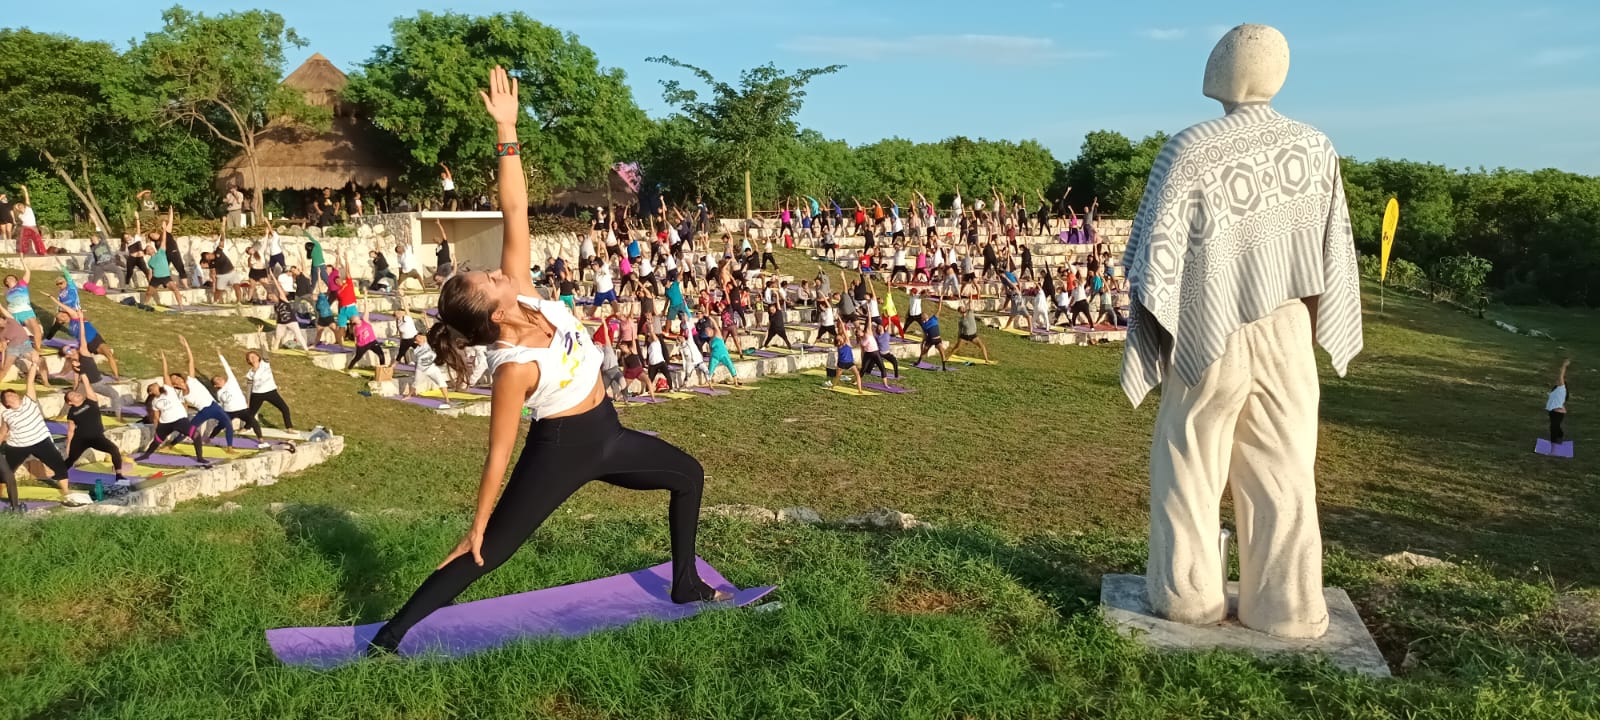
180	406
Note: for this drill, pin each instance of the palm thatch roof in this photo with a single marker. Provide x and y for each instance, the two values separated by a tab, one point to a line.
290	156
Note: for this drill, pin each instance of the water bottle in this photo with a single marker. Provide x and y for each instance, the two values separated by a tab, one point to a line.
99	489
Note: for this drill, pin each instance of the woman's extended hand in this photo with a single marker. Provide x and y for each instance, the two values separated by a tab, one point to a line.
471	543
502	100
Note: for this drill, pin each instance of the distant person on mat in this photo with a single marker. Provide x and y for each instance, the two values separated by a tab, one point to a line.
24	435
264	389
165	403
931	340
544	361
233	401
969	330
1556	405
86	430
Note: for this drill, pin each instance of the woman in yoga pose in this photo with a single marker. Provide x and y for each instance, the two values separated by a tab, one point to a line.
543	360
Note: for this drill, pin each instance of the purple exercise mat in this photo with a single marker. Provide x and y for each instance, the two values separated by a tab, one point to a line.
880	387
766	354
240	442
933	367
645	399
706	391
566	611
335	349
1544	447
59	343
175	461
430	403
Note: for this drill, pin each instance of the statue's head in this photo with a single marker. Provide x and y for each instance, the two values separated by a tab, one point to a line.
1248	65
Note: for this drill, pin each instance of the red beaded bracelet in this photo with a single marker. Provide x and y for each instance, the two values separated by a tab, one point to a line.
505	149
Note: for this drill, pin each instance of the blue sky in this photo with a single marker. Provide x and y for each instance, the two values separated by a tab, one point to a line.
1464	83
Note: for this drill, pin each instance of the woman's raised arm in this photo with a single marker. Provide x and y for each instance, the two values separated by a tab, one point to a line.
504	104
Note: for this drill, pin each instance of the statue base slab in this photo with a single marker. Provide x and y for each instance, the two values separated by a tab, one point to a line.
1346	645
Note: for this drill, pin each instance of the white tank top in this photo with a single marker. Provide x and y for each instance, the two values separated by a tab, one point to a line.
568	369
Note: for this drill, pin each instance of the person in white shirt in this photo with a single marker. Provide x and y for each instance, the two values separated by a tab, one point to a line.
24	435
694	361
656	360
605	291
232	399
28	237
913	313
1556	405
172	421
406	259
275	259
1080	305
429	374
198	397
264	389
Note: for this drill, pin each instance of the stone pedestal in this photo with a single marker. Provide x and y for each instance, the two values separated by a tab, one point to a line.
1347	643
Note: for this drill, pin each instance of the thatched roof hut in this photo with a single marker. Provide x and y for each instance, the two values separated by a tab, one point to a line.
290	156
593	194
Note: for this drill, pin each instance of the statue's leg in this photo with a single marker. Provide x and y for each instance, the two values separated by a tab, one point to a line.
1273	481
1189	458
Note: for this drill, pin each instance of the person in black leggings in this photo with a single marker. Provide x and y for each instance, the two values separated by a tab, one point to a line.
576	436
85	429
263	388
165	404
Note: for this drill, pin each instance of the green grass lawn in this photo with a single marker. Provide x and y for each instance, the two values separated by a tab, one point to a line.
1033	472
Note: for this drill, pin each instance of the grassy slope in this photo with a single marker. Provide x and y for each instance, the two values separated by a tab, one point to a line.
1036	467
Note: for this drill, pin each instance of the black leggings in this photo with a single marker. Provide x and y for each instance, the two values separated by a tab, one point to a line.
170	434
257	400
83	443
561	456
1556	433
44	451
10	479
135	264
372	347
247	419
405	346
828	330
780	331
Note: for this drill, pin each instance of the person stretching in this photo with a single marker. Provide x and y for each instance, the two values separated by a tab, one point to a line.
172	421
846	362
366	341
969	330
719	356
885	353
19	304
85	429
930	339
264	389
231	397
199	398
543	361
24	434
89	337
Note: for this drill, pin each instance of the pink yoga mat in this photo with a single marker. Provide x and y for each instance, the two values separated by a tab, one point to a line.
566	611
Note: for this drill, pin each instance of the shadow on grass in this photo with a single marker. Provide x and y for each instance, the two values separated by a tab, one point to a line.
1065	570
333	534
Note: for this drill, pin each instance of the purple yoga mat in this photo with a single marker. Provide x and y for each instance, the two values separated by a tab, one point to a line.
933	367
481	392
242	443
645	399
175	461
880	387
128	409
430	403
706	391
335	349
766	354
58	343
566	611
1544	447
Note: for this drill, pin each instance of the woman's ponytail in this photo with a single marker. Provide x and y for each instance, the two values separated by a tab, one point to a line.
450	347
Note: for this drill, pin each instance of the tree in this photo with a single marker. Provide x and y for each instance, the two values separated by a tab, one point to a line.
56	92
222	73
422	89
1113	169
747	124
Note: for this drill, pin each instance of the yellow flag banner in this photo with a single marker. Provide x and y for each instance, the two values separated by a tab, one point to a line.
1391	218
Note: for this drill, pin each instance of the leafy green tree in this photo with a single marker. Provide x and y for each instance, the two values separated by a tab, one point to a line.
220	74
747	125
1112	169
55	91
422	89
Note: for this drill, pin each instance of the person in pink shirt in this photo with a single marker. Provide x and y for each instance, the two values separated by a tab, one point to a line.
366	341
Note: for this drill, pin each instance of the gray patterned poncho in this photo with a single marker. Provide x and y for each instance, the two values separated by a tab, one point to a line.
1241	214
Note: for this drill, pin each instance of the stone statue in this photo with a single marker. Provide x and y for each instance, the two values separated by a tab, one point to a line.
1241	256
